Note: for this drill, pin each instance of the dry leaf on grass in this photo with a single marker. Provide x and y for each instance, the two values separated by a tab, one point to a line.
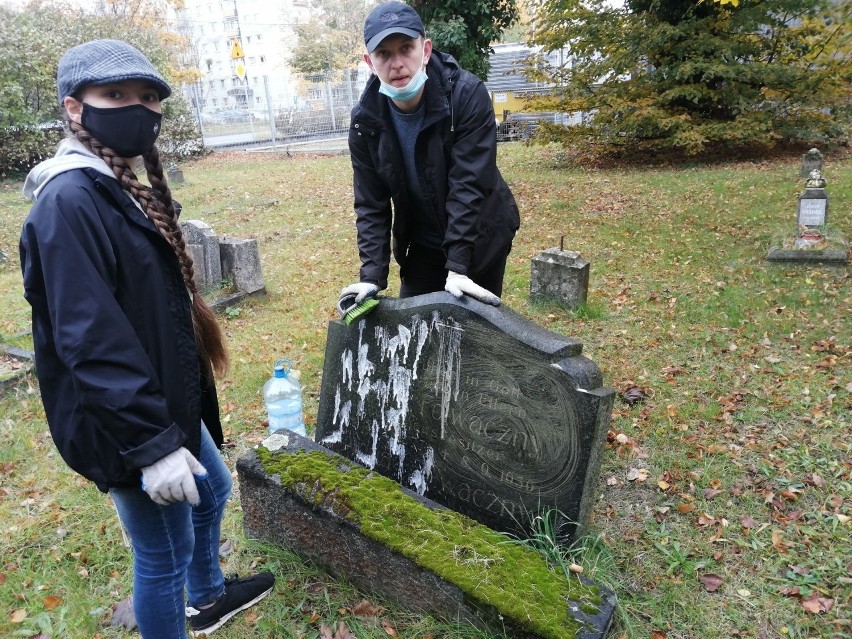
367	609
815	604
711	581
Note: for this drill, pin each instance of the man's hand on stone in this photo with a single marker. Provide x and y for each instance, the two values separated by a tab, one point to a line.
458	285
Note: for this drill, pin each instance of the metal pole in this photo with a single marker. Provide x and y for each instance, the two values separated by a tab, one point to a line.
269	109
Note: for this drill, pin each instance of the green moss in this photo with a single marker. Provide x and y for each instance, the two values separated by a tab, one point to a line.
512	578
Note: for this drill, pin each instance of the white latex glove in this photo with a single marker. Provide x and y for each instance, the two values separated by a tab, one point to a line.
172	478
361	290
459	285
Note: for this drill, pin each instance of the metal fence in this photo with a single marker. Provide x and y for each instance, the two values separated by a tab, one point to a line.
315	117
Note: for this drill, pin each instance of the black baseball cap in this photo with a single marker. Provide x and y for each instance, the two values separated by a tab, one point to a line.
390	18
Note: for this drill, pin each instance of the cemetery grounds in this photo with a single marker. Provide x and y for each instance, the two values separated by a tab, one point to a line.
725	494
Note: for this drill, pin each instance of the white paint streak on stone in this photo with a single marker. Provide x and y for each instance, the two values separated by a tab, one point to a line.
346	368
370	460
341	417
448	370
365	369
400	352
419	479
421	329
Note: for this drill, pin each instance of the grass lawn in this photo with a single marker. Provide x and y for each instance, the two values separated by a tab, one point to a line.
725	495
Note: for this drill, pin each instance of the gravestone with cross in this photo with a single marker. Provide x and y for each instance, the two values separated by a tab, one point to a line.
469	405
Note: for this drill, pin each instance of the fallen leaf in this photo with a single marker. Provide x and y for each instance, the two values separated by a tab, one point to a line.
637	474
633	396
18	616
685	507
706	520
816	604
658	634
51	602
325	632
366	609
711	581
389	629
746	521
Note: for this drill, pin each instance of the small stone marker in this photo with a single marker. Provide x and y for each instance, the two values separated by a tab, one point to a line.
215	260
810	161
470	405
175	175
559	276
203	247
240	259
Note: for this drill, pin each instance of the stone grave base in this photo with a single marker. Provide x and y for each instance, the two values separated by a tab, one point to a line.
15	365
808	256
386	540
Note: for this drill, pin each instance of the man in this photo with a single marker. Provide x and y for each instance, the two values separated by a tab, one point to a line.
424	148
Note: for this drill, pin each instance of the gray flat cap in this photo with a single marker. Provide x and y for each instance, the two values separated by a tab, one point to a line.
105	62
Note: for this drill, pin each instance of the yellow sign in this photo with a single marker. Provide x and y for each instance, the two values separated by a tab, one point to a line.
240	70
236	50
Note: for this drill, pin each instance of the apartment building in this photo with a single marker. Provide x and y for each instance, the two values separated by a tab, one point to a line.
263	31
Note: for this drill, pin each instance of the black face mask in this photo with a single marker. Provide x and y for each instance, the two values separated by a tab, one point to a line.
129	130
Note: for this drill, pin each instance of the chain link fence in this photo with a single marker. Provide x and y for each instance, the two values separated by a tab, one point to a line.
314	117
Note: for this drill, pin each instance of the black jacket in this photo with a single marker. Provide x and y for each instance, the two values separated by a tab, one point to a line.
456	157
116	360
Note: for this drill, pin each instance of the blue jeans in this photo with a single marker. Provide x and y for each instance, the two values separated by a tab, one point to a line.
176	546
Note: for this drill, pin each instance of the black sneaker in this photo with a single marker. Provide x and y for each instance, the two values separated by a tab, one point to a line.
240	594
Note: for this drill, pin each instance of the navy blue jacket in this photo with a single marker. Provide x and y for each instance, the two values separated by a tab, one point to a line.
116	359
456	159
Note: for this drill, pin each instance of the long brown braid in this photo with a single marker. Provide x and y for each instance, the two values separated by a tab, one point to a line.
159	206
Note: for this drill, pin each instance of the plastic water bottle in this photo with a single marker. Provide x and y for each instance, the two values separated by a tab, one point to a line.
283	396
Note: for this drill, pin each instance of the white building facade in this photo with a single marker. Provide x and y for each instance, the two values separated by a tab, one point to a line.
264	31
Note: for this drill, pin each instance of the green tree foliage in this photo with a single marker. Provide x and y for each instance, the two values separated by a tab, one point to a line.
467	28
332	39
32	39
693	75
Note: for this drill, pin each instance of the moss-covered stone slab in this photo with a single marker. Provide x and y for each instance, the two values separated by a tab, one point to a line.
359	525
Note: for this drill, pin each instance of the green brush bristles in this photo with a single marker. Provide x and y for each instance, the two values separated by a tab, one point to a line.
359	310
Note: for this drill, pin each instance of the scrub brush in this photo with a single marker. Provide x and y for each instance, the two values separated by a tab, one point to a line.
350	311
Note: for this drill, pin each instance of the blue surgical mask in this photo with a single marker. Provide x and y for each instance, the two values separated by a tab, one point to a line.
409	91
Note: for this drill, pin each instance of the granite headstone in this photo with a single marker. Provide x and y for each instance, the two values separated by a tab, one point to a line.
469	405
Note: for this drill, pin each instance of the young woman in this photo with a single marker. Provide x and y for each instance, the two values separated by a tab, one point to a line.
125	345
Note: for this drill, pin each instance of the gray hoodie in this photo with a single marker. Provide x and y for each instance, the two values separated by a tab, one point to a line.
70	154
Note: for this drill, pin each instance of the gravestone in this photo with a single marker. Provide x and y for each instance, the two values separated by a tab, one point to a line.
202	244
812	210
469	405
812	241
240	259
175	175
560	276
810	161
